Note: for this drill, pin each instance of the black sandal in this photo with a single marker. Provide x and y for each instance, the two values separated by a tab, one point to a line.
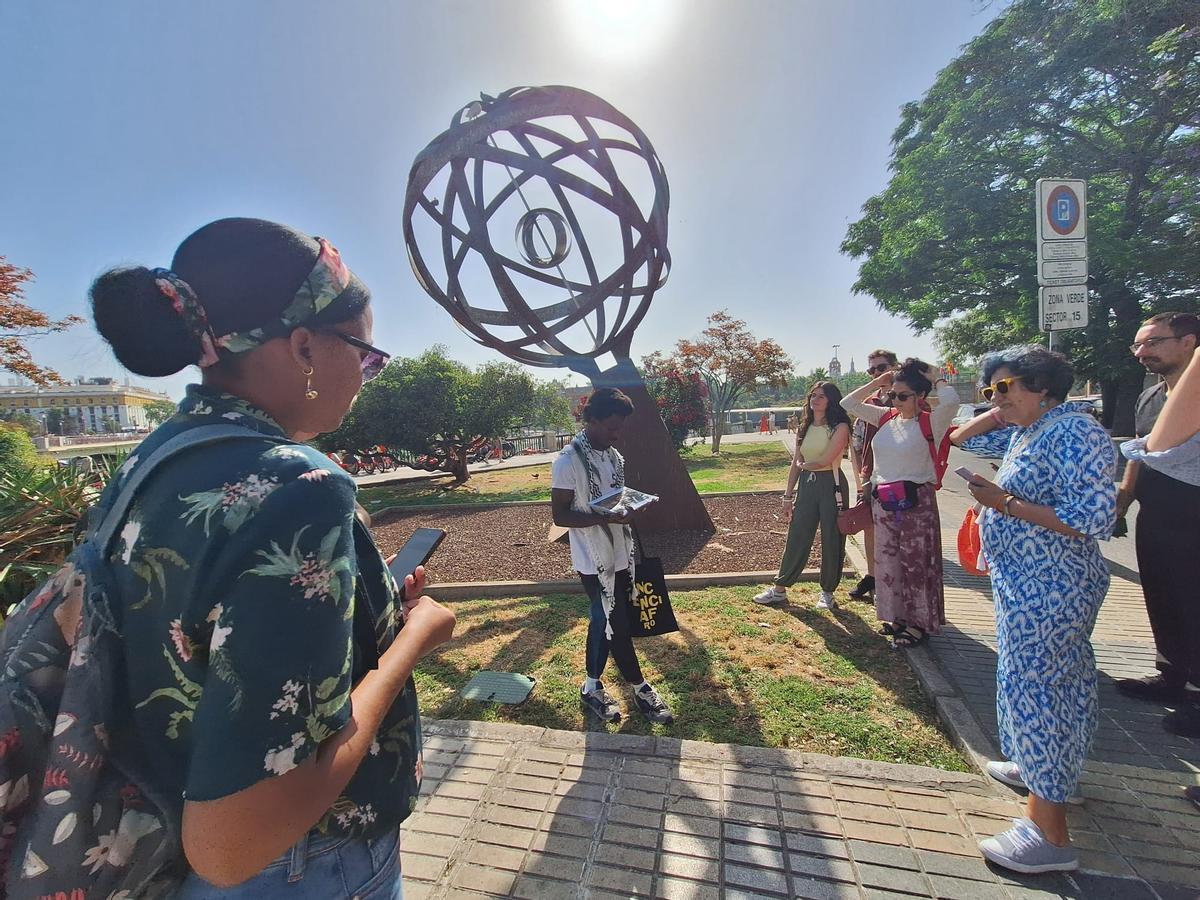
909	638
891	629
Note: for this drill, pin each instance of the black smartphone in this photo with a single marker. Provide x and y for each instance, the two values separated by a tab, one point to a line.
416	552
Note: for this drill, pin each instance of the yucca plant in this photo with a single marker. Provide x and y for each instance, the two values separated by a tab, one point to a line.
39	510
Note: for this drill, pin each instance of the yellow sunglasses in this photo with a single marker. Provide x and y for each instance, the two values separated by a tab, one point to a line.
999	387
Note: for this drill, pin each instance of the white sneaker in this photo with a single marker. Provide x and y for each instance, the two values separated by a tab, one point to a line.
1008	772
826	601
771	595
1023	848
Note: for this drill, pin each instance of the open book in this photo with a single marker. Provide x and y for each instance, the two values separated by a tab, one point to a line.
620	499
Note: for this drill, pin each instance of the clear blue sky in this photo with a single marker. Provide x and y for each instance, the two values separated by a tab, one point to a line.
129	124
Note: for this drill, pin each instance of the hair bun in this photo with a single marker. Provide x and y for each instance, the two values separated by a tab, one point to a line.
146	334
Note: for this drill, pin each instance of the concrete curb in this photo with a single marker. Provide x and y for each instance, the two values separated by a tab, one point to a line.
450	507
478	590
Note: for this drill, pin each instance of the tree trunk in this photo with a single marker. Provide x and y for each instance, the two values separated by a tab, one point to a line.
717	430
457	461
1128	389
1108	400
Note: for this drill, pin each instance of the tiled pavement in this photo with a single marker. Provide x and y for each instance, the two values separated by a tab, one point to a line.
537	813
1135	821
518	811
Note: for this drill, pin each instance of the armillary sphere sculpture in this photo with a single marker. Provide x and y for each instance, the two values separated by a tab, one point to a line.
538	220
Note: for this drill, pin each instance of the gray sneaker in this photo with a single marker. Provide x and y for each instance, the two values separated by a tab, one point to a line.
601	703
1008	772
652	706
1023	848
771	596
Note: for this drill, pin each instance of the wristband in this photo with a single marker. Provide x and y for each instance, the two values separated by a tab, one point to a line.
1008	499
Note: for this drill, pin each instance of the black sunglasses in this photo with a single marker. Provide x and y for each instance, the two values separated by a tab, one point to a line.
900	395
374	360
879	369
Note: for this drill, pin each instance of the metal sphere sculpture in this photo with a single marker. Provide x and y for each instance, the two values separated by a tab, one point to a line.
523	221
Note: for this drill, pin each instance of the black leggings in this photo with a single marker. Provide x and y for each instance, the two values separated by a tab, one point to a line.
621	645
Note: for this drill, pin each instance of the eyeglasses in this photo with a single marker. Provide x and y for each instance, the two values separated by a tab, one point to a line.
374	360
900	395
1150	342
879	369
1000	386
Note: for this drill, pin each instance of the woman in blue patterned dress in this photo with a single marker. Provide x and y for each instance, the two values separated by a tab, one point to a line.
1053	498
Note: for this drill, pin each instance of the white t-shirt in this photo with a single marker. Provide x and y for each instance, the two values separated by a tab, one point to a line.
562	475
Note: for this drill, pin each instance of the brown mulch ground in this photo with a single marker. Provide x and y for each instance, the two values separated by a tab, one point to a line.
509	543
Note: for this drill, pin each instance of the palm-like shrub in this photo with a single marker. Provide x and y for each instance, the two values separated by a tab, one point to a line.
40	507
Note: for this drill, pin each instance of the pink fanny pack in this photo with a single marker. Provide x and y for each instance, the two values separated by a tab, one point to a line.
896	496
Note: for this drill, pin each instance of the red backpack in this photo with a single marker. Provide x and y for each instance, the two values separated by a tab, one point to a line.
940	454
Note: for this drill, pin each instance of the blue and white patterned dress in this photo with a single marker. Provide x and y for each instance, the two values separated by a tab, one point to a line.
1048	589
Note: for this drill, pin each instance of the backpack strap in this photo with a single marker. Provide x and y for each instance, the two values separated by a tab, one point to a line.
200	436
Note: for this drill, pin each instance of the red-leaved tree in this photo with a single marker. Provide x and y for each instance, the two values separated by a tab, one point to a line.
732	361
19	323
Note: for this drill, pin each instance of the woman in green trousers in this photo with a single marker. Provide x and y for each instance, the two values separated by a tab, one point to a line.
811	496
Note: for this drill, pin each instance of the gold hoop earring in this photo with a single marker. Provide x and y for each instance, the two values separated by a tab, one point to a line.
309	393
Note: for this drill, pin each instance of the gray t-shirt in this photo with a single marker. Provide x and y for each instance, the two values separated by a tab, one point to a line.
1149	405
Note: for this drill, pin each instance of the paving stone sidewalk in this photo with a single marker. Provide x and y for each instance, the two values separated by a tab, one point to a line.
510	810
1135	821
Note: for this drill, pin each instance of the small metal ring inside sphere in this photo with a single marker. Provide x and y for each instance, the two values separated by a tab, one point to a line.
534	243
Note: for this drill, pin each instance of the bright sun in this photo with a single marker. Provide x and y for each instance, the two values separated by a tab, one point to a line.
619	29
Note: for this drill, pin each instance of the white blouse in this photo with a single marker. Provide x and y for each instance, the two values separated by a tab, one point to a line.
901	450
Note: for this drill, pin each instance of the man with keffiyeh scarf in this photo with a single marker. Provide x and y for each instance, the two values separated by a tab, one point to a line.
602	552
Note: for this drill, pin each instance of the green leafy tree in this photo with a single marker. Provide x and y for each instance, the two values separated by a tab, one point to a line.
16	449
433	405
551	408
1106	90
732	362
158	411
28	423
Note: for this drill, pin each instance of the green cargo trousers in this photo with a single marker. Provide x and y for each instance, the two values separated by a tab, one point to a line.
816	504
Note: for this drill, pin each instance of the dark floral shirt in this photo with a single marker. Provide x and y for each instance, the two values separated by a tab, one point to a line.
242	577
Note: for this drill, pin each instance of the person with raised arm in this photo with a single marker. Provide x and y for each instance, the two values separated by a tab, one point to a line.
909	595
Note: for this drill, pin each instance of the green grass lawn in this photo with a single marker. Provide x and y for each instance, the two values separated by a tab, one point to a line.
737	673
740	467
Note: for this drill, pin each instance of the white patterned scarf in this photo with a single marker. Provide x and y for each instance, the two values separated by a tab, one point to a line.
599	539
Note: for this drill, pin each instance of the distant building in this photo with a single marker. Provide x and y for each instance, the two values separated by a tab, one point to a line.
852	372
90	402
835	367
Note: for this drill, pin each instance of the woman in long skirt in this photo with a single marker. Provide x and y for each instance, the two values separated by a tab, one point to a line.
909	599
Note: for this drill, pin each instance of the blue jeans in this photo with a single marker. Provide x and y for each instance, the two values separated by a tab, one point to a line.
317	867
621	646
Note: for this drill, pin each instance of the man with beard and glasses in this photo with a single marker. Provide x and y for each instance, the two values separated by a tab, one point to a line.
1168	534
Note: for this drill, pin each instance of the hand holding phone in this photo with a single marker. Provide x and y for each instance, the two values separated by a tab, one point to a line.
964	473
407	566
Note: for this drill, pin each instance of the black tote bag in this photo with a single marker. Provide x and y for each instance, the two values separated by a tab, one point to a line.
649	604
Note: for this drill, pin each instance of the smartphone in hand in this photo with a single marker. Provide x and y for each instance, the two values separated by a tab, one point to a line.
416	552
964	473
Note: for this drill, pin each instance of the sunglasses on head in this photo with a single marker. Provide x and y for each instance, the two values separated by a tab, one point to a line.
999	387
373	359
900	395
879	369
